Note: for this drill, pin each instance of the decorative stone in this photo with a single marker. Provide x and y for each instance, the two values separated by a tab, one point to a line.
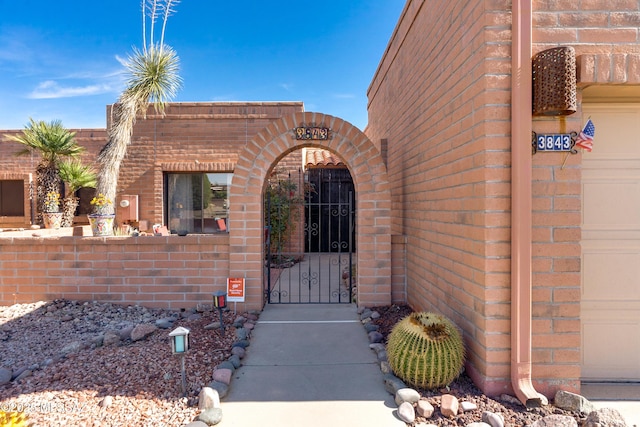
375	337
371	327
406	395
573	402
406	412
242	333
468	406
478	424
238	351
125	333
214	325
222	375
375	315
382	356
5	375
165	323
424	409
142	331
385	367
197	424
235	361
226	365
605	417
241	343
449	405
111	338
365	314
392	384
72	347
377	347
249	326
211	416
221	388
208	398
26	373
494	420
555	421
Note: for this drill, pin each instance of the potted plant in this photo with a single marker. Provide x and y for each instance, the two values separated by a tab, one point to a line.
102	220
51	215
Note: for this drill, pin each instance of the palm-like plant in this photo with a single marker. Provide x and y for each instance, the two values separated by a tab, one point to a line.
152	77
53	142
75	176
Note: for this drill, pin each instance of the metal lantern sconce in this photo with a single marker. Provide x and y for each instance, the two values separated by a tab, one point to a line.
220	302
554	82
179	340
180	345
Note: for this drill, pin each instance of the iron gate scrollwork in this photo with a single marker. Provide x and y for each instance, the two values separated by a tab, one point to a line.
310	238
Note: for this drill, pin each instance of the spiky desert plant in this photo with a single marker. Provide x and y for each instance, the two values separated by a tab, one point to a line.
75	176
426	350
53	142
152	76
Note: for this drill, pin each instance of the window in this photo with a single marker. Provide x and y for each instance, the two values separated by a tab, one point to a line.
11	197
197	202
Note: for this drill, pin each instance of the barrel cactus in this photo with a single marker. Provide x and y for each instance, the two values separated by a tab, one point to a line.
426	350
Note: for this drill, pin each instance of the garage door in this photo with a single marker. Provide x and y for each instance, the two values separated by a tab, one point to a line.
610	306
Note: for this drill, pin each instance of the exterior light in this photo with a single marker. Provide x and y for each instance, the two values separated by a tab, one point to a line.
180	345
179	340
220	302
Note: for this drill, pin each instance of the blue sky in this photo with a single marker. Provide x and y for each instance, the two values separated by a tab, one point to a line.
59	59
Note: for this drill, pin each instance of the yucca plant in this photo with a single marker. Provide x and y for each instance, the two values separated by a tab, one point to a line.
75	176
152	77
426	350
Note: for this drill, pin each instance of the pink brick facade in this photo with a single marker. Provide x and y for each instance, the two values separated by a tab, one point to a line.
440	105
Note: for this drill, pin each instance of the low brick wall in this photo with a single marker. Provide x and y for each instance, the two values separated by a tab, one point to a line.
154	271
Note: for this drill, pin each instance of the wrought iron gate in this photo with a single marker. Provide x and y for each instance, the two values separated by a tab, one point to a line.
310	238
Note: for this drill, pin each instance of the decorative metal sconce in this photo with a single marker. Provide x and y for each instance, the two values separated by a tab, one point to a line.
554	82
220	302
180	345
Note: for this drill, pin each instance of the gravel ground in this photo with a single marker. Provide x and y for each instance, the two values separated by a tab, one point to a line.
130	384
77	382
514	413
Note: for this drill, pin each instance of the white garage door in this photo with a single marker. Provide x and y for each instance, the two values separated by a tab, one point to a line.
611	245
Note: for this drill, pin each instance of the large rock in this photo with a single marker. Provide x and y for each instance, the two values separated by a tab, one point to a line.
493	419
142	331
221	388
573	402
424	409
449	405
222	375
392	384
407	395
208	398
111	338
211	416
556	421
606	417
406	412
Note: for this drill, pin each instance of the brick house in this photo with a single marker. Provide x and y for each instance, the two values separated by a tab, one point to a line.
534	256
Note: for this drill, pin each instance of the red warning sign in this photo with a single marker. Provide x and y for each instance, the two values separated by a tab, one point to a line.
235	289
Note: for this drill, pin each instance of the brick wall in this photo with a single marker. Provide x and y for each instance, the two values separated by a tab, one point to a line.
154	271
440	102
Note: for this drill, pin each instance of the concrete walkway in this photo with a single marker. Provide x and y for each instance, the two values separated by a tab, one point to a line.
309	365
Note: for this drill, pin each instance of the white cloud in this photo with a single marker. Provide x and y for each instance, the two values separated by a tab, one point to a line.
50	89
287	86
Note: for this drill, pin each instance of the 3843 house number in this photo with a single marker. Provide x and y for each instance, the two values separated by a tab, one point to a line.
554	142
314	133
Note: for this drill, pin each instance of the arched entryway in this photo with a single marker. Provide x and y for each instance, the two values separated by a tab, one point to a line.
362	158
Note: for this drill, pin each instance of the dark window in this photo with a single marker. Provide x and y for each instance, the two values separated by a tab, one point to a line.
12	198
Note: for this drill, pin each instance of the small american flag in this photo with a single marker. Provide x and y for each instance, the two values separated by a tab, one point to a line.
585	139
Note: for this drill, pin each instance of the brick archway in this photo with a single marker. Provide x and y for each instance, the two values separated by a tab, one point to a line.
373	203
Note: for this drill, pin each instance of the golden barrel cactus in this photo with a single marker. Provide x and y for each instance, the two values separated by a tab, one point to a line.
426	350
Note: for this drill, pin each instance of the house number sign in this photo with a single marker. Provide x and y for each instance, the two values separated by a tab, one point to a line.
554	142
312	133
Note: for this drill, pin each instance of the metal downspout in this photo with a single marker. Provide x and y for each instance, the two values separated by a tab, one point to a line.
521	204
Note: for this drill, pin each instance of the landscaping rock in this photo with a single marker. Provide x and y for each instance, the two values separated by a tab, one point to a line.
406	412
406	395
555	421
424	409
494	420
5	376
142	331
606	417
573	402
211	416
449	405
208	398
